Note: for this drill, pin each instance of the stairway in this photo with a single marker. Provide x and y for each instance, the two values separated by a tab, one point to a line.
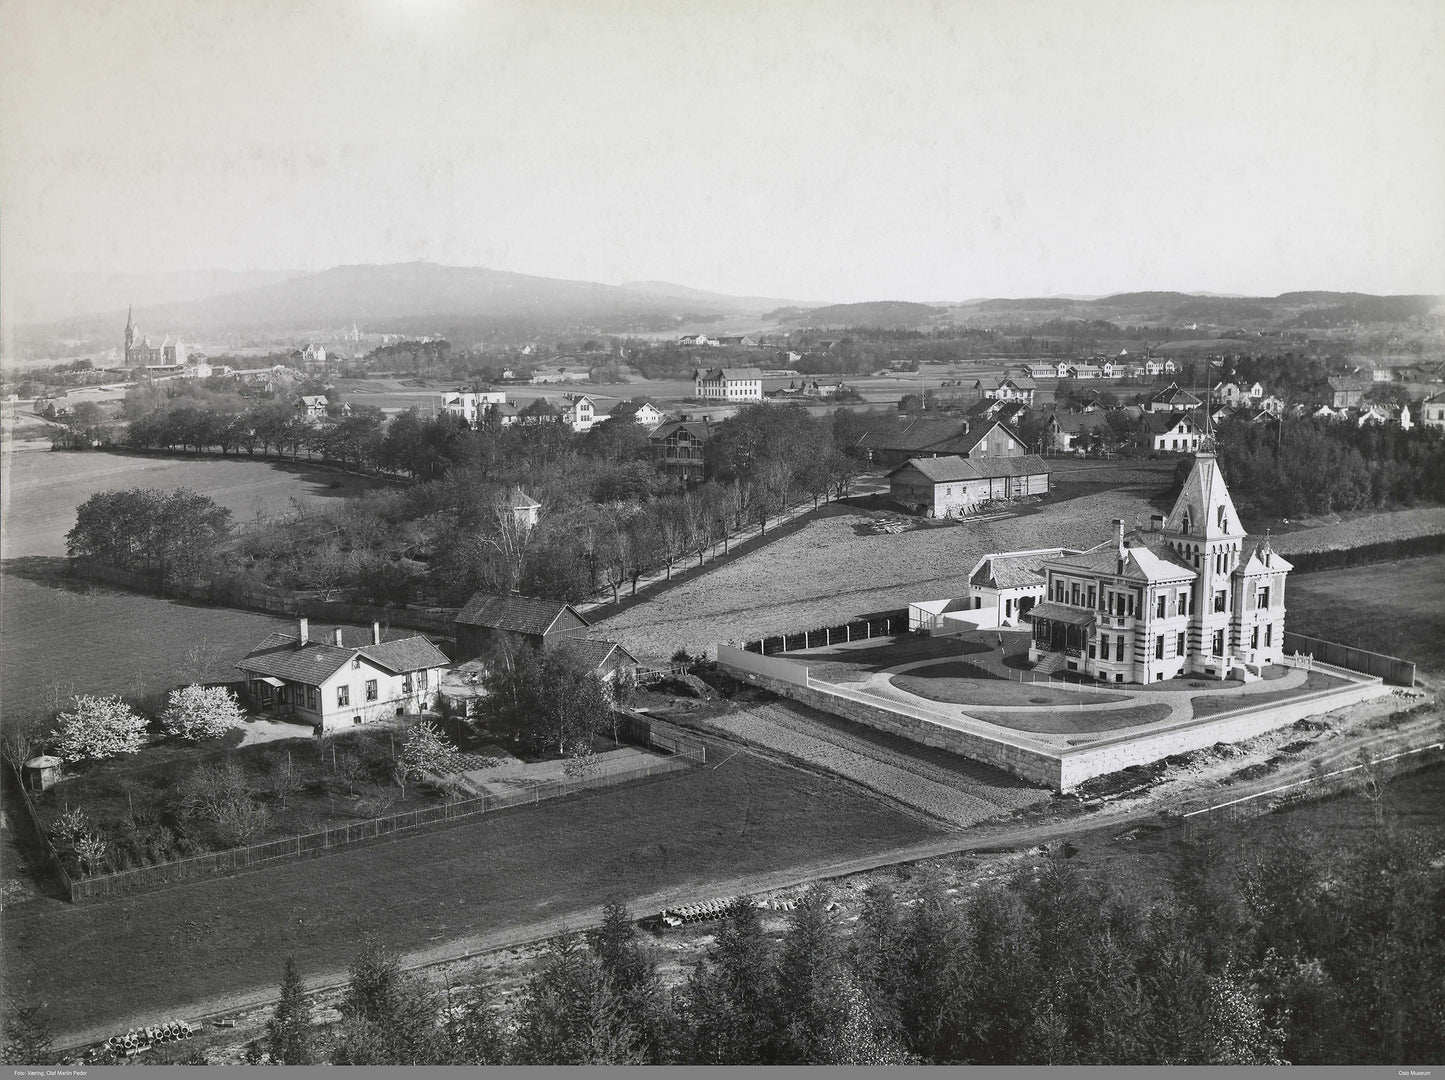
1050	663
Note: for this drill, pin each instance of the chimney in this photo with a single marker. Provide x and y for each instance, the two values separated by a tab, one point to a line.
336	637
1156	522
1119	535
376	633
305	633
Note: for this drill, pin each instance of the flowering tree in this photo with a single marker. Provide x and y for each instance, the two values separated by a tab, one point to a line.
426	751
98	727
201	712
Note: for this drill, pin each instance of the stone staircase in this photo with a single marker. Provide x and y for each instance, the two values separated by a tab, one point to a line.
1051	663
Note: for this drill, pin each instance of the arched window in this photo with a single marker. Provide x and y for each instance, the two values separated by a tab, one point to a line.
1185	522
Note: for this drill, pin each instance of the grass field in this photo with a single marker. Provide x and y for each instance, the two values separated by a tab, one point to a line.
104	641
1060	720
201	940
954	682
1396	608
41	489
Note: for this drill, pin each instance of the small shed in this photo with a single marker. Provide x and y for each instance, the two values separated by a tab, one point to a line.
41	772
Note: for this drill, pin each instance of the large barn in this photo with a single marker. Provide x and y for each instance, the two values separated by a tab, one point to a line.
490	619
950	486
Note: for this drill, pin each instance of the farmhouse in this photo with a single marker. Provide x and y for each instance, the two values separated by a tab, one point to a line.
312	406
334	685
1006	388
918	439
579	412
1070	431
951	486
1189	596
643	411
1344	392
729	384
1173	399
490	620
678	448
988	439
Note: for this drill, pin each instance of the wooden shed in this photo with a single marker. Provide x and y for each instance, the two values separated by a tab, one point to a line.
490	619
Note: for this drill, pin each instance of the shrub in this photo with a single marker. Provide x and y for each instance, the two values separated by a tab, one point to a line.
201	712
71	825
98	727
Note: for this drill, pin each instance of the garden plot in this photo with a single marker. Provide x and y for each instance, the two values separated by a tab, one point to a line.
510	775
961	794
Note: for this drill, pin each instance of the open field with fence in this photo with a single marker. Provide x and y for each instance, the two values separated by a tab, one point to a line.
738	814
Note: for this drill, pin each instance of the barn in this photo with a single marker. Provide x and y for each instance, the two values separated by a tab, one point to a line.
490	620
952	486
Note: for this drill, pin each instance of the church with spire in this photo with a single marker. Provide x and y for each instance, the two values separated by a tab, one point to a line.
1191	595
139	352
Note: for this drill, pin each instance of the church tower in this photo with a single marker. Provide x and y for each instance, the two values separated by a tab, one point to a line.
1204	531
129	334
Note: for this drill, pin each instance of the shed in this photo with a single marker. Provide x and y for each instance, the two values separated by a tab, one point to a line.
491	618
41	772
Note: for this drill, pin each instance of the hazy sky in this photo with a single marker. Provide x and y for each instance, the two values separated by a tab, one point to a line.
843	150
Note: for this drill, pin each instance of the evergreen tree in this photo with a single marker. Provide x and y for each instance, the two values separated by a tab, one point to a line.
570	1015
288	1032
730	999
939	970
386	1018
812	1005
632	974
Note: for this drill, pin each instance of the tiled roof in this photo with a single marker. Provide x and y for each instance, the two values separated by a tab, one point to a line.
312	664
751	374
699	429
406	654
1145	556
945	470
594	652
1157	423
519	614
919	435
1173	395
1014	569
965	444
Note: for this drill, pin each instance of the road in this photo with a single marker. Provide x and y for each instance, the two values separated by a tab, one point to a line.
1062	824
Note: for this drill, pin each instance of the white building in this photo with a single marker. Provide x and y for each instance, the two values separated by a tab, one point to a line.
472	406
728	384
1433	412
579	412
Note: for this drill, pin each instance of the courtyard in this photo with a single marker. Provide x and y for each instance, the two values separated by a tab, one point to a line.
985	675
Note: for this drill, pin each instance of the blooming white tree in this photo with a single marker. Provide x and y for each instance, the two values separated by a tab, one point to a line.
426	751
201	712
98	727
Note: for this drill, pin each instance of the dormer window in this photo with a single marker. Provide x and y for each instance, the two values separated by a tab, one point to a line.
1184	523
1221	517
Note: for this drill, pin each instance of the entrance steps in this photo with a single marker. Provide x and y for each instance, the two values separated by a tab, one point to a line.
1050	663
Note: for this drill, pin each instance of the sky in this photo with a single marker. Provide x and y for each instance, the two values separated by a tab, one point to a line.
837	151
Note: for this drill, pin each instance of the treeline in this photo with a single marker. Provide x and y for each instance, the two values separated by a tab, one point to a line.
1318	467
1292	952
176	533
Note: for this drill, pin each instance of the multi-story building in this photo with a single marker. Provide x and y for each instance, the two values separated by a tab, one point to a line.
1432	414
1190	596
678	448
729	384
472	406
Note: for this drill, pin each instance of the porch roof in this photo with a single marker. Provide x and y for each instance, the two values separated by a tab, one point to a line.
1062	613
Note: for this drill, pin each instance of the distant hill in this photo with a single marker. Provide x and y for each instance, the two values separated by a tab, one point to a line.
421	297
696	297
48	297
881	313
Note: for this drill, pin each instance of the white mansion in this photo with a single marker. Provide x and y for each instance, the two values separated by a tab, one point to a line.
1189	596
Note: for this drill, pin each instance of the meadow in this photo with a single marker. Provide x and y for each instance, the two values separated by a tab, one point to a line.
171	952
42	488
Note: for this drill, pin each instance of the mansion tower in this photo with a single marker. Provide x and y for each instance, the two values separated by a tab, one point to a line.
1192	595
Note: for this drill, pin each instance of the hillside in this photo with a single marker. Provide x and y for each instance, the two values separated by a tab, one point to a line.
880	313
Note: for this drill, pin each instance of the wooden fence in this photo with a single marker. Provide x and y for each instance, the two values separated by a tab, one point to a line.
884	624
1390	668
46	850
327	841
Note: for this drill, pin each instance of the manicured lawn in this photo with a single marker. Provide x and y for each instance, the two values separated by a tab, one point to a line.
170	950
957	682
1063	721
1212	704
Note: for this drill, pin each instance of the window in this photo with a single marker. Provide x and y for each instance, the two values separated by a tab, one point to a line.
343	696
1263	597
1091	596
1179	645
406	684
1091	652
1219	600
1268	632
1218	643
1159	647
1254	638
421	677
1119	648
266	693
1162	601
356	663
311	697
370	689
1074	593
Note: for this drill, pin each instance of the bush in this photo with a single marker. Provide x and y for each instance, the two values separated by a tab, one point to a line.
98	727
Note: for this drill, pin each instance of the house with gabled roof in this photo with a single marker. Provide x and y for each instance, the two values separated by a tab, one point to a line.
952	486
1173	399
332	685
1432	413
988	438
312	406
1005	388
679	448
643	411
608	660
490	621
1008	584
1176	432
728	384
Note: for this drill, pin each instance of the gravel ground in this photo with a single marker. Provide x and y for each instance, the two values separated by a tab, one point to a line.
960	792
1369	529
